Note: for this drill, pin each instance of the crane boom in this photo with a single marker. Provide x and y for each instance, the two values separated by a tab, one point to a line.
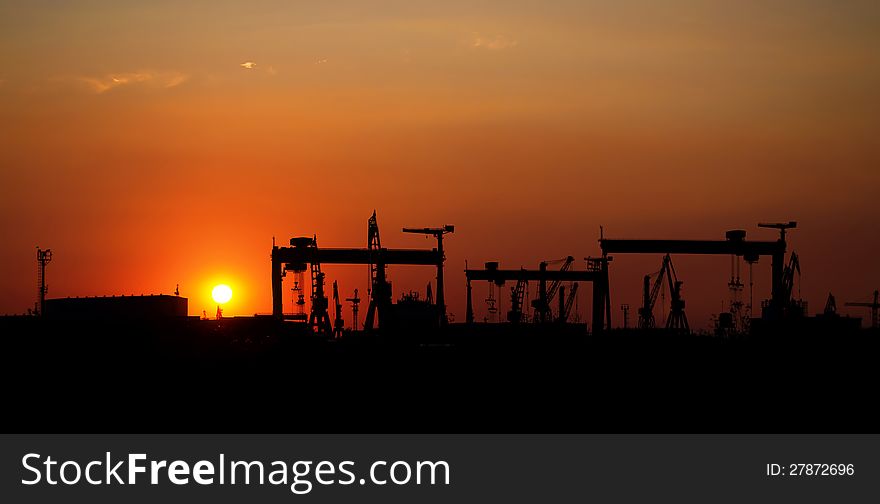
554	286
547	294
569	302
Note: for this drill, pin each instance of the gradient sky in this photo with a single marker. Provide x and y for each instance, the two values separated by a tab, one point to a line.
152	143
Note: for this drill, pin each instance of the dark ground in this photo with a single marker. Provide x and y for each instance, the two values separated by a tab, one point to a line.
244	375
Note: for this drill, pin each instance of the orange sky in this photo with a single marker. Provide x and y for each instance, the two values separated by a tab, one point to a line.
136	144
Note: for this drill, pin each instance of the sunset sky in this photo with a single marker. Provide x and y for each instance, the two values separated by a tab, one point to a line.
150	144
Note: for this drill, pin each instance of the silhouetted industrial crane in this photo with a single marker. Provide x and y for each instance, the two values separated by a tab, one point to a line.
355	303
380	288
734	244
554	285
547	294
794	306
830	306
875	309
436	233
303	251
517	294
565	312
596	273
43	258
319	319
338	323
677	319
649	295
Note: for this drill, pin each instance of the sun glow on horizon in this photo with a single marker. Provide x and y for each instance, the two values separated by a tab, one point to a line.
221	293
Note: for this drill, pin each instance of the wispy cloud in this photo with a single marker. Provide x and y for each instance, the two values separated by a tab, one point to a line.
102	84
320	61
269	70
492	42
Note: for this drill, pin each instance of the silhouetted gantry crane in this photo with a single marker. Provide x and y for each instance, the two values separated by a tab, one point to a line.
596	272
875	309
305	251
735	245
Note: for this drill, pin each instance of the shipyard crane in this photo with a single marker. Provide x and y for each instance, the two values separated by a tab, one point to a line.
788	277
303	251
875	309
554	285
380	289
338	323
830	306
547	294
319	319
43	258
596	273
438	234
650	294
677	320
735	244
355	304
517	294
565	310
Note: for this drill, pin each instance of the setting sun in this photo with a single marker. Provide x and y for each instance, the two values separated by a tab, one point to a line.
221	294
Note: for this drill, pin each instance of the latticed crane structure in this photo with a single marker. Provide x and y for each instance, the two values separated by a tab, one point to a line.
43	258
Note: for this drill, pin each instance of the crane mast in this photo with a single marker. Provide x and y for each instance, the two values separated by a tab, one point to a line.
380	289
338	323
319	319
677	320
565	313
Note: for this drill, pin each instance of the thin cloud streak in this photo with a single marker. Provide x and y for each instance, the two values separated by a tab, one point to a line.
492	43
105	83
